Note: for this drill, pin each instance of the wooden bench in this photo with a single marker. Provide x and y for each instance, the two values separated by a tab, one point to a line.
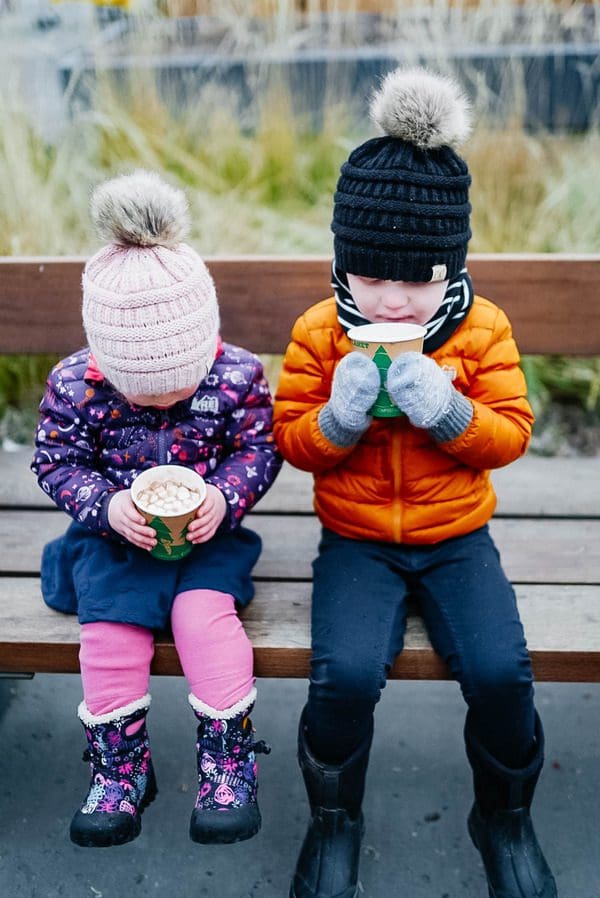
547	525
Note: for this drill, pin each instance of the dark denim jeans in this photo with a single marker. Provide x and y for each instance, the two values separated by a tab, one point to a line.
358	623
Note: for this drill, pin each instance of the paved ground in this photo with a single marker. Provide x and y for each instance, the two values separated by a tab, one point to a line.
418	796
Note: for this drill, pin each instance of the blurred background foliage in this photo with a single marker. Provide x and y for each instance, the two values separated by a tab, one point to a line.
260	178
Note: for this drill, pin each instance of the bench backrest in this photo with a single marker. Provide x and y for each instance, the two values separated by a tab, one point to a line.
552	300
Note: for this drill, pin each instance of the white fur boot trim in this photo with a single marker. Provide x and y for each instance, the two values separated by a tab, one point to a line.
239	707
89	719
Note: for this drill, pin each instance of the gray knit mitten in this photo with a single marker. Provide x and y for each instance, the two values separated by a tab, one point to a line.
356	385
424	392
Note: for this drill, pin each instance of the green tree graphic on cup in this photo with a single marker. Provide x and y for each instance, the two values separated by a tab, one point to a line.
164	538
384	407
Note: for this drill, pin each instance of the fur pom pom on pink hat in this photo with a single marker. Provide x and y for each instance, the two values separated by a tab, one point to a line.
150	308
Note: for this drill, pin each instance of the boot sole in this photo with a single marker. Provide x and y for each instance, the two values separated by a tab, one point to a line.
100	838
213	827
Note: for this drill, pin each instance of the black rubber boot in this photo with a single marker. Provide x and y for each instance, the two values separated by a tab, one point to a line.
500	823
328	863
122	776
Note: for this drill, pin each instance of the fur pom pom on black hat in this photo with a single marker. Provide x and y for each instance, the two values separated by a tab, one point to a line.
426	110
401	208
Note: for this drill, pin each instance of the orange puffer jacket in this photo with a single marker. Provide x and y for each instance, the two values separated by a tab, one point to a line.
397	484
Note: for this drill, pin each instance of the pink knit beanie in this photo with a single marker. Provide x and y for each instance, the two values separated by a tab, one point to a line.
150	308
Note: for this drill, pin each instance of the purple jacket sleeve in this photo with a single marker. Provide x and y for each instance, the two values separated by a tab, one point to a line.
252	460
65	459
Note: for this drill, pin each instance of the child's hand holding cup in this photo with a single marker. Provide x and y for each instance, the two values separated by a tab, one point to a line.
382	343
168	497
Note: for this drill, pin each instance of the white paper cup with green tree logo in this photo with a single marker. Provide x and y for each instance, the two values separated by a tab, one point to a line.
168	496
382	342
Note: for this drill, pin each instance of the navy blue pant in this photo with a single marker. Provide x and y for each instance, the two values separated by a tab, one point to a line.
103	579
470	612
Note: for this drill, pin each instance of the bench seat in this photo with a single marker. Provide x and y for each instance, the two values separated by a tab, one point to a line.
547	527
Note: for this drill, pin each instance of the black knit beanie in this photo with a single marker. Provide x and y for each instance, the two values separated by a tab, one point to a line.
401	208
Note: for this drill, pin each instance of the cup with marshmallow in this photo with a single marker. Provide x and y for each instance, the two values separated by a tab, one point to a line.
168	497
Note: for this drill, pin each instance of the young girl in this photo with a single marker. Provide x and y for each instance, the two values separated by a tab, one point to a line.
156	385
404	501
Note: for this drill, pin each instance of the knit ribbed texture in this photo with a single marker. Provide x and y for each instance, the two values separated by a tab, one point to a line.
333	431
151	317
401	213
455	420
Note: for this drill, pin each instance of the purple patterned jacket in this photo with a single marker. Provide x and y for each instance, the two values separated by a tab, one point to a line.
91	442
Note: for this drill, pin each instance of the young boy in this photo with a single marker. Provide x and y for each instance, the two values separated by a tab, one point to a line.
404	502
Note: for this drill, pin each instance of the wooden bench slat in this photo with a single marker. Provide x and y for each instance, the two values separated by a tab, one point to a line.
532	486
251	287
533	551
540	487
560	623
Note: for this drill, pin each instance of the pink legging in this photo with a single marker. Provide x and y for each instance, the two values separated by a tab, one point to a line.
215	654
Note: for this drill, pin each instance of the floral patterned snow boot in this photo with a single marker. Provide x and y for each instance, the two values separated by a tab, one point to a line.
226	806
122	776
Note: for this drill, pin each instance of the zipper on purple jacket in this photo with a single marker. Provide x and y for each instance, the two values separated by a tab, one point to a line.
162	449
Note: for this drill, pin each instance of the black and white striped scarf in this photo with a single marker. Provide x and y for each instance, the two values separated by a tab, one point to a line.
454	307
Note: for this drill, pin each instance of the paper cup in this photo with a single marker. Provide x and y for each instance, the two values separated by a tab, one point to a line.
382	343
171	529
